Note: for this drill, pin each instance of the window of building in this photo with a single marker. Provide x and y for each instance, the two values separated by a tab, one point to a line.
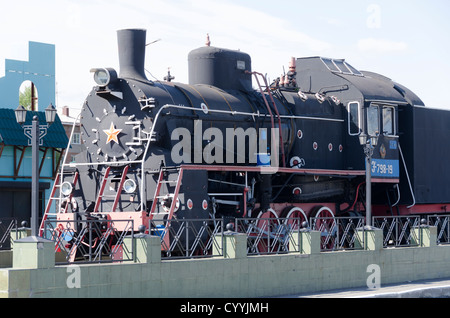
28	96
76	139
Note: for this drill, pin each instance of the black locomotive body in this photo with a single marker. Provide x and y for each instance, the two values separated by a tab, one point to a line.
219	147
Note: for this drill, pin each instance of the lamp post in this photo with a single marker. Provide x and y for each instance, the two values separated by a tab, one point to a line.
369	142
35	134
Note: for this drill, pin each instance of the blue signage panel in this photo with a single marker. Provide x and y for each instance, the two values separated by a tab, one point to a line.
385	168
393	144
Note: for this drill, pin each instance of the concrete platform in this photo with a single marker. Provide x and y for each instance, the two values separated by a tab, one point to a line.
439	288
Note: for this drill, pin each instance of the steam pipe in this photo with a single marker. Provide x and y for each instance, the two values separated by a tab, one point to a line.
132	44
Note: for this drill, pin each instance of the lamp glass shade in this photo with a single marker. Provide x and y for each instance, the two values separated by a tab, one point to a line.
362	139
374	140
21	114
50	114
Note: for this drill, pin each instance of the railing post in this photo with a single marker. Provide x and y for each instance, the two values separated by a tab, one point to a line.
34	252
234	245
19	233
90	240
371	238
143	248
294	242
426	236
309	241
186	223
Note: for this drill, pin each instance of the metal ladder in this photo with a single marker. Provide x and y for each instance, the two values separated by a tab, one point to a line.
101	194
164	179
53	197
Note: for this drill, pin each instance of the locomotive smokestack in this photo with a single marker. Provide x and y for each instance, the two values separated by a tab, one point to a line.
132	53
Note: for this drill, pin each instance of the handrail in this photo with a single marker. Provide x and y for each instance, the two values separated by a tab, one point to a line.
270	112
407	176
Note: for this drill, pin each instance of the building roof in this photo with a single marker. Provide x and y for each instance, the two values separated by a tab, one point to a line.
66	116
12	134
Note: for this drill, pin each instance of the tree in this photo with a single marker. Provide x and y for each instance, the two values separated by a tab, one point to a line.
25	95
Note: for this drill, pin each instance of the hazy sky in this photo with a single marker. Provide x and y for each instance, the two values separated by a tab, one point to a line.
407	41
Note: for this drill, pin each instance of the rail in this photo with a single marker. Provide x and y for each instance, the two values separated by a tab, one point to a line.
398	231
90	241
269	235
190	238
100	241
442	222
6	226
339	233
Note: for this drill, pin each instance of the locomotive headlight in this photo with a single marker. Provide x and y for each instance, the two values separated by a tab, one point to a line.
129	186
104	76
66	188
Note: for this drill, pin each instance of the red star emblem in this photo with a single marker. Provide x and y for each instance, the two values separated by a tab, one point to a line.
112	134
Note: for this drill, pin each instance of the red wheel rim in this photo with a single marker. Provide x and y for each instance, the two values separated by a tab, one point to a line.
267	224
295	217
325	223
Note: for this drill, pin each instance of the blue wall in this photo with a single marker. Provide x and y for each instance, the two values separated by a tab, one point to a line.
24	173
40	69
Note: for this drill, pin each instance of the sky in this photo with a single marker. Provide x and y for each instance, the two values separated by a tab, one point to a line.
407	41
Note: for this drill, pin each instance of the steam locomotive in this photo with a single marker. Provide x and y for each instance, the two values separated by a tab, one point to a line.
231	145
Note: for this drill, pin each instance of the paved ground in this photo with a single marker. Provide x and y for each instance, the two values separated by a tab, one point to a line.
420	289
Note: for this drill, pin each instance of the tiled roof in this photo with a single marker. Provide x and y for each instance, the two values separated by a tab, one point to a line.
12	134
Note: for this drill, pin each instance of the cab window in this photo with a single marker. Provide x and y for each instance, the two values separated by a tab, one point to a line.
373	122
388	121
354	124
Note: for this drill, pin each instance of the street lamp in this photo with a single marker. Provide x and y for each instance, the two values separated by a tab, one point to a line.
21	115
369	142
35	133
50	114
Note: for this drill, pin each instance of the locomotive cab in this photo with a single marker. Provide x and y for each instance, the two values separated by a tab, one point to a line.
381	123
371	102
377	123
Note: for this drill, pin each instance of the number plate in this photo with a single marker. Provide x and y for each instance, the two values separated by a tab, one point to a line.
385	168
